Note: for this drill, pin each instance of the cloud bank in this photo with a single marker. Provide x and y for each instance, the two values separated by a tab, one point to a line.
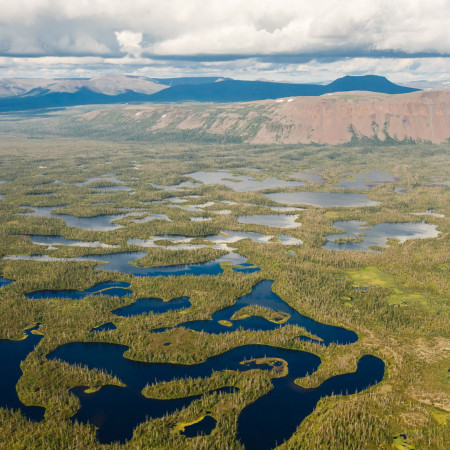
287	34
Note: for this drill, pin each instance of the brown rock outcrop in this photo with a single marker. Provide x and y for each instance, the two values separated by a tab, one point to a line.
329	119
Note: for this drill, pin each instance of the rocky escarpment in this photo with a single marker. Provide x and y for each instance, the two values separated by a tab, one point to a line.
328	119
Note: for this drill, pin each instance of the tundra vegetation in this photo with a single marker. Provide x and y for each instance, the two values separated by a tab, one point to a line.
396	300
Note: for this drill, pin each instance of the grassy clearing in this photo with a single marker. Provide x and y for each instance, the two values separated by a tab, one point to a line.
368	277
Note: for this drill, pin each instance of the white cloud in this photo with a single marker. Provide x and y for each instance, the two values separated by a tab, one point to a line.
129	42
272	38
179	27
399	70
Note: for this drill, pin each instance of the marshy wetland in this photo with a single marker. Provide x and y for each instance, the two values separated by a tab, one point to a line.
156	294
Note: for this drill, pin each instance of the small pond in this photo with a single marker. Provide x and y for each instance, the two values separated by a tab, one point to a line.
109	177
285	209
154	305
323	199
126	262
51	240
176	187
364	181
225	237
201	219
312	177
198	208
104	327
102	222
150	243
428	213
174	200
271	220
100	190
202	428
242	183
5	282
440	183
151	218
111	288
40	193
360	237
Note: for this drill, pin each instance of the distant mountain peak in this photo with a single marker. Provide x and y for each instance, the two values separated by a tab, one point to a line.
116	88
373	83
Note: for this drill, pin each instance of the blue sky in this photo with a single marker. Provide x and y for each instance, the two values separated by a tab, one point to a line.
284	40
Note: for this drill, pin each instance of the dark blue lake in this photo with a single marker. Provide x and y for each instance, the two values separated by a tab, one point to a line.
262	295
117	410
202	428
271	419
124	263
12	354
246	269
5	282
104	327
154	305
127	262
274	417
111	288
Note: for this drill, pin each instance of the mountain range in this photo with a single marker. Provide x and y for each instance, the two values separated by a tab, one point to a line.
36	94
334	118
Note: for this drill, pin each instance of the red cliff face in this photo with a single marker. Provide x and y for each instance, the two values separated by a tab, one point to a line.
329	119
333	119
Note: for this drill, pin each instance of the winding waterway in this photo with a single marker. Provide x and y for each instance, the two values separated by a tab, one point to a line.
154	305
12	354
126	262
111	288
104	222
271	419
262	295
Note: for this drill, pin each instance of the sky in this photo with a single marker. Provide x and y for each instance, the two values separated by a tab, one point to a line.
282	40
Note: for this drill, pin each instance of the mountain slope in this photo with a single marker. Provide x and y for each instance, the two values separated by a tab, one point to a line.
188	80
10	87
44	98
370	83
110	85
122	89
244	91
229	91
329	119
